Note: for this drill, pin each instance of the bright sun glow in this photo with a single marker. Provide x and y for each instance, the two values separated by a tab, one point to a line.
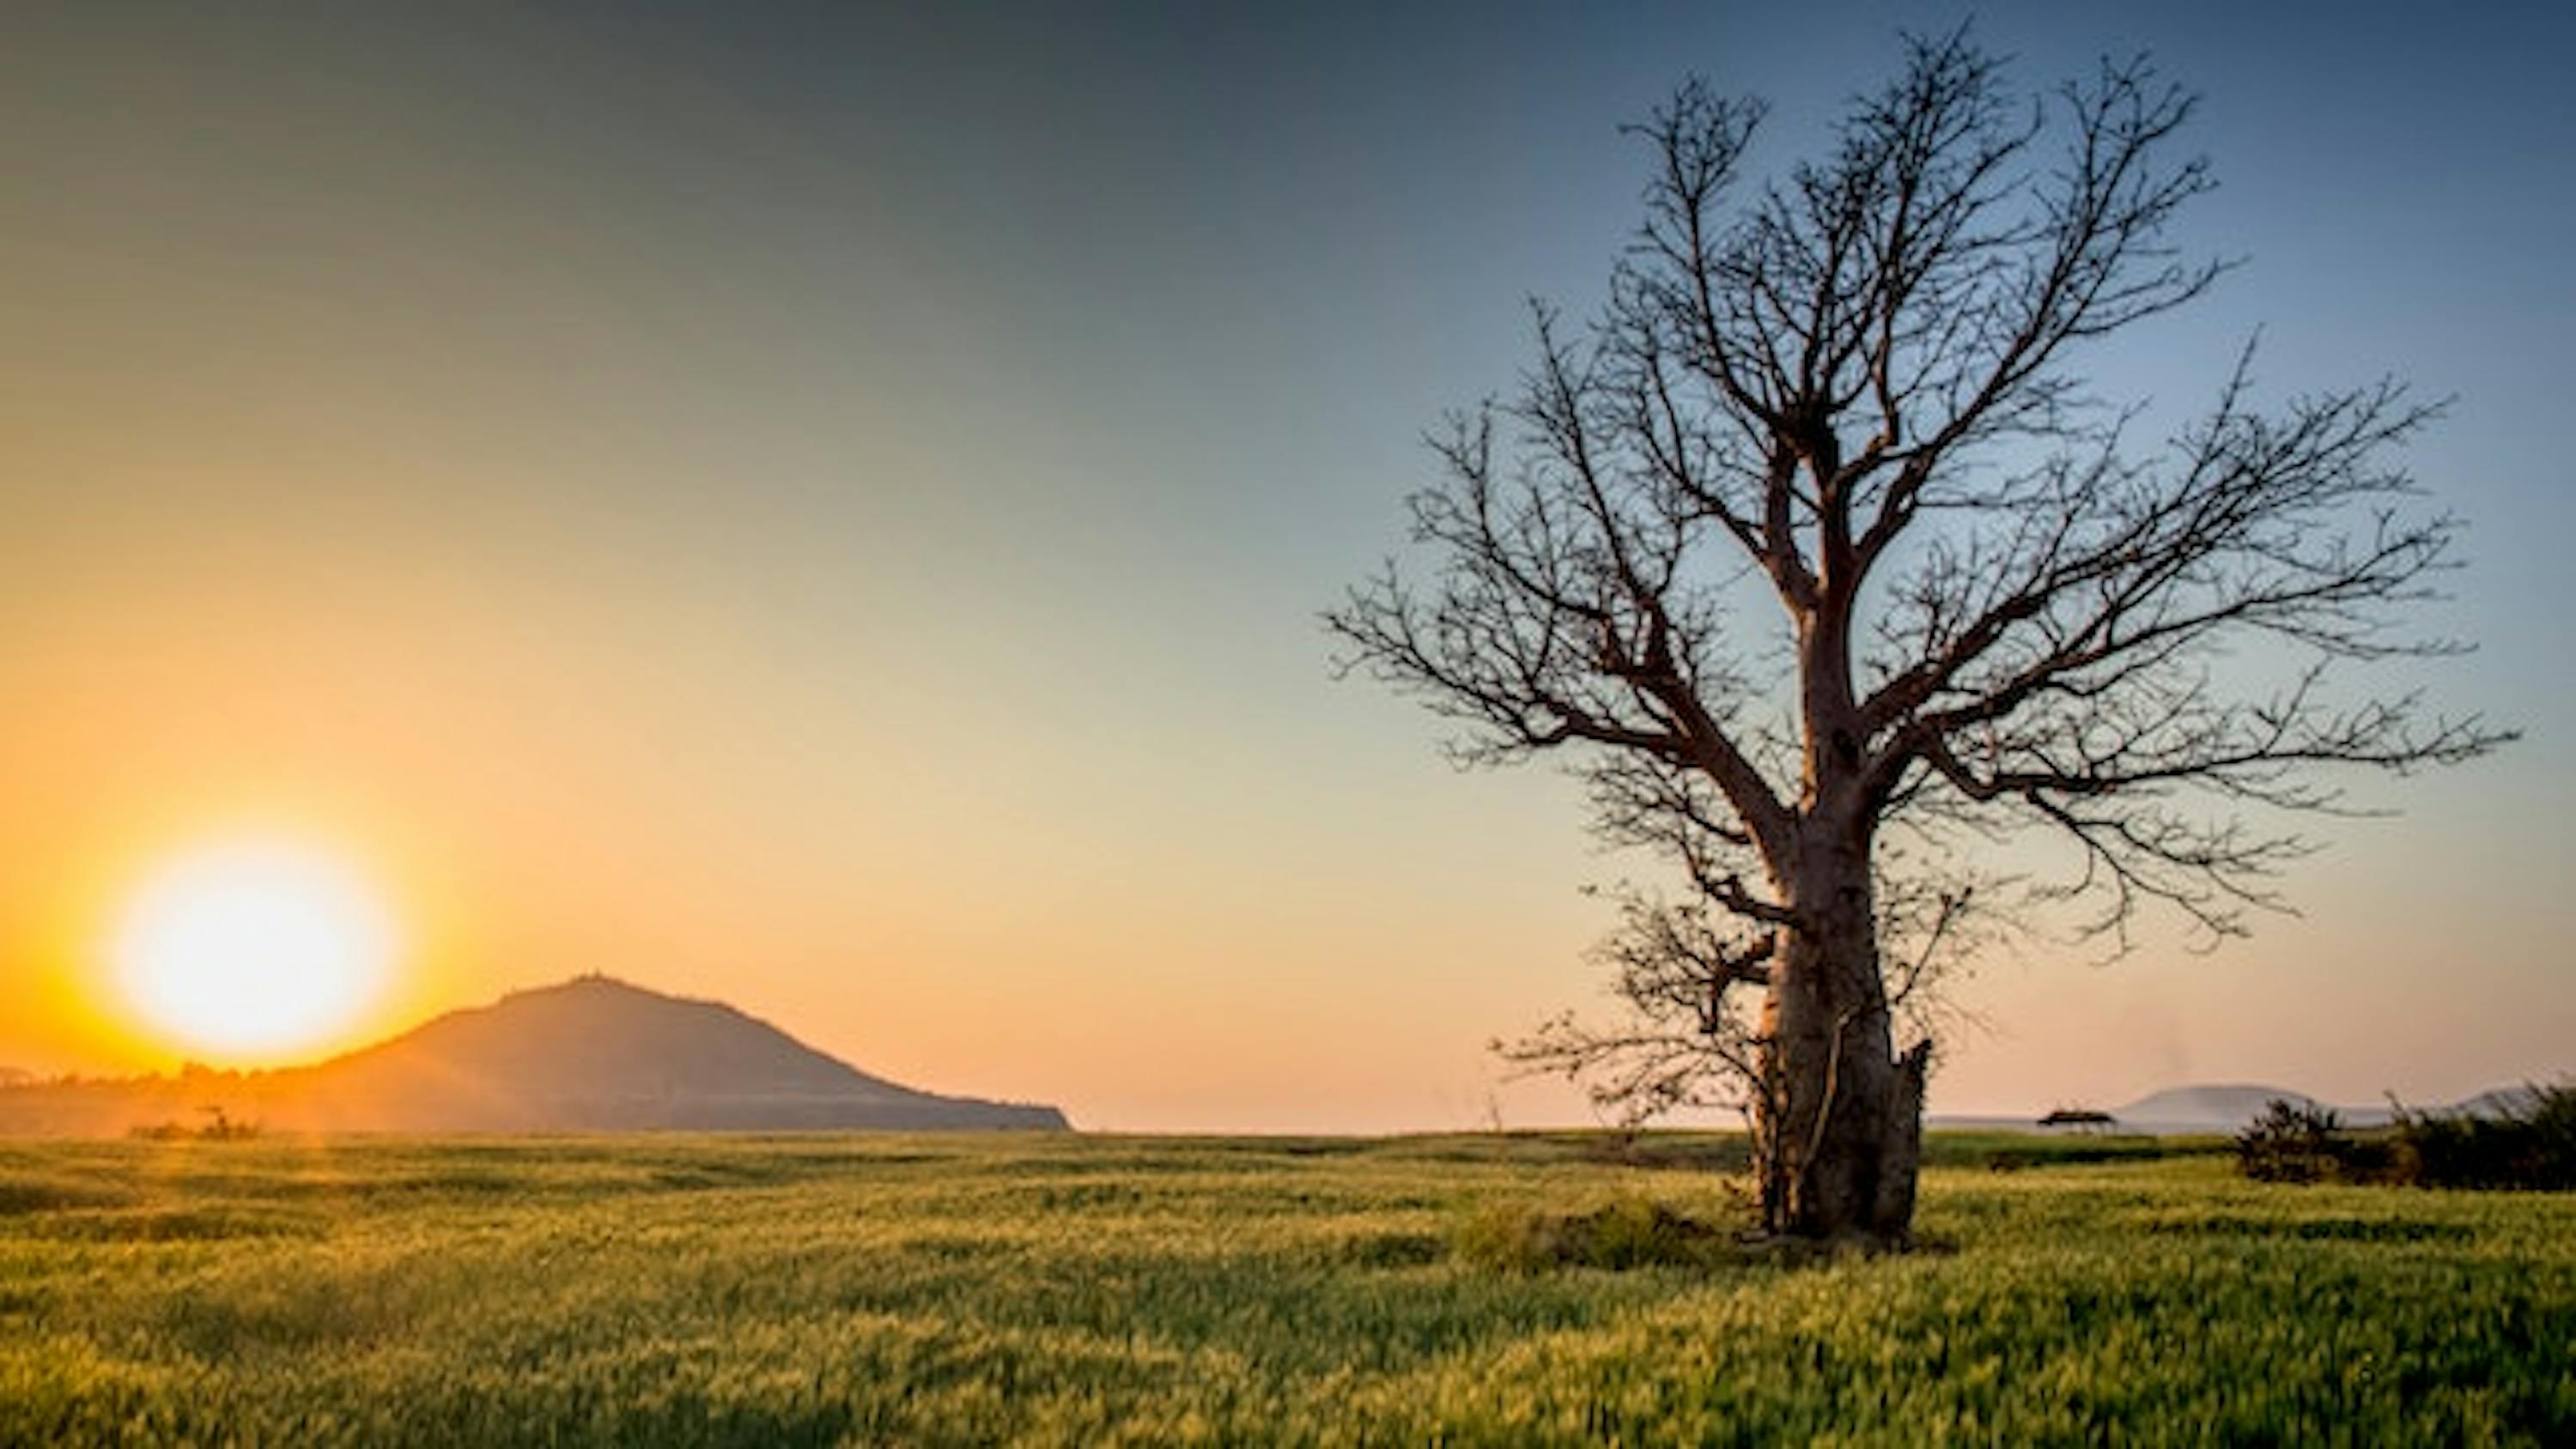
253	947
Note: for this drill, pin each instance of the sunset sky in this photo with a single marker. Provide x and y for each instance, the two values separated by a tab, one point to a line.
827	508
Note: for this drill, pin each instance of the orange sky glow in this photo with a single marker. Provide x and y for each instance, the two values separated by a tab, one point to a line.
713	511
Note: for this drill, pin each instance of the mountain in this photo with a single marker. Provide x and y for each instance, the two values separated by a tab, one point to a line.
2211	1108
2496	1102
2229	1108
2226	1108
2176	1111
589	1055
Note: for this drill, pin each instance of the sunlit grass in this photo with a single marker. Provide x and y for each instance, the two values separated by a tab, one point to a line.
1060	1290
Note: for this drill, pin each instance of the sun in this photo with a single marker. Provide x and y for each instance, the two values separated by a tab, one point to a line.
253	947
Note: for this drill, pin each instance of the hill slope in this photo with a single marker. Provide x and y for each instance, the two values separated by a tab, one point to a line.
2204	1108
588	1055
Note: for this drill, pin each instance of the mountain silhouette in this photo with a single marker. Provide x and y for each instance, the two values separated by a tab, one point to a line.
2497	1102
588	1055
2218	1107
2227	1107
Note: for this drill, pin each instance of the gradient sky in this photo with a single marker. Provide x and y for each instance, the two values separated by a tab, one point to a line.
827	508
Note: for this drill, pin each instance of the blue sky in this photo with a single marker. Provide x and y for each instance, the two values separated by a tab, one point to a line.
828	506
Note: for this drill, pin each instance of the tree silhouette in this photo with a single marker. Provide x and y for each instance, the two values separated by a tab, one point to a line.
1850	392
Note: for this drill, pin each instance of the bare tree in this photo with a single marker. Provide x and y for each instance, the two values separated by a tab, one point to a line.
1688	1039
1851	392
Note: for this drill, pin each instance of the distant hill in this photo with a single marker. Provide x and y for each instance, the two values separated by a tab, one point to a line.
2498	1102
589	1055
2226	1108
2217	1108
2229	1107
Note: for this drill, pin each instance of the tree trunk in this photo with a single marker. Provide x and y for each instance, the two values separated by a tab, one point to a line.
1843	1137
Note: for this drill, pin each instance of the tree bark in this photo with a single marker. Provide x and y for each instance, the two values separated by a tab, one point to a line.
1846	1139
1844	1135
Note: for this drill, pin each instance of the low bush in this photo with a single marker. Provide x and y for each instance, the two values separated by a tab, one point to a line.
2525	1142
1628	1232
2528	1141
217	1128
2295	1142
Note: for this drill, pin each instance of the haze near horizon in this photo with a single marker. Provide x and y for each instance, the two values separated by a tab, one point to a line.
826	509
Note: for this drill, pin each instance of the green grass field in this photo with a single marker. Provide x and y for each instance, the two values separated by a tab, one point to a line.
1077	1290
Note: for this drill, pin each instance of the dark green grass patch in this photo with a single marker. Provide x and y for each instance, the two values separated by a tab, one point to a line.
1626	1232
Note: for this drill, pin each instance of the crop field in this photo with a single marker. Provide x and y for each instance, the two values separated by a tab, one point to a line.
1087	1290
